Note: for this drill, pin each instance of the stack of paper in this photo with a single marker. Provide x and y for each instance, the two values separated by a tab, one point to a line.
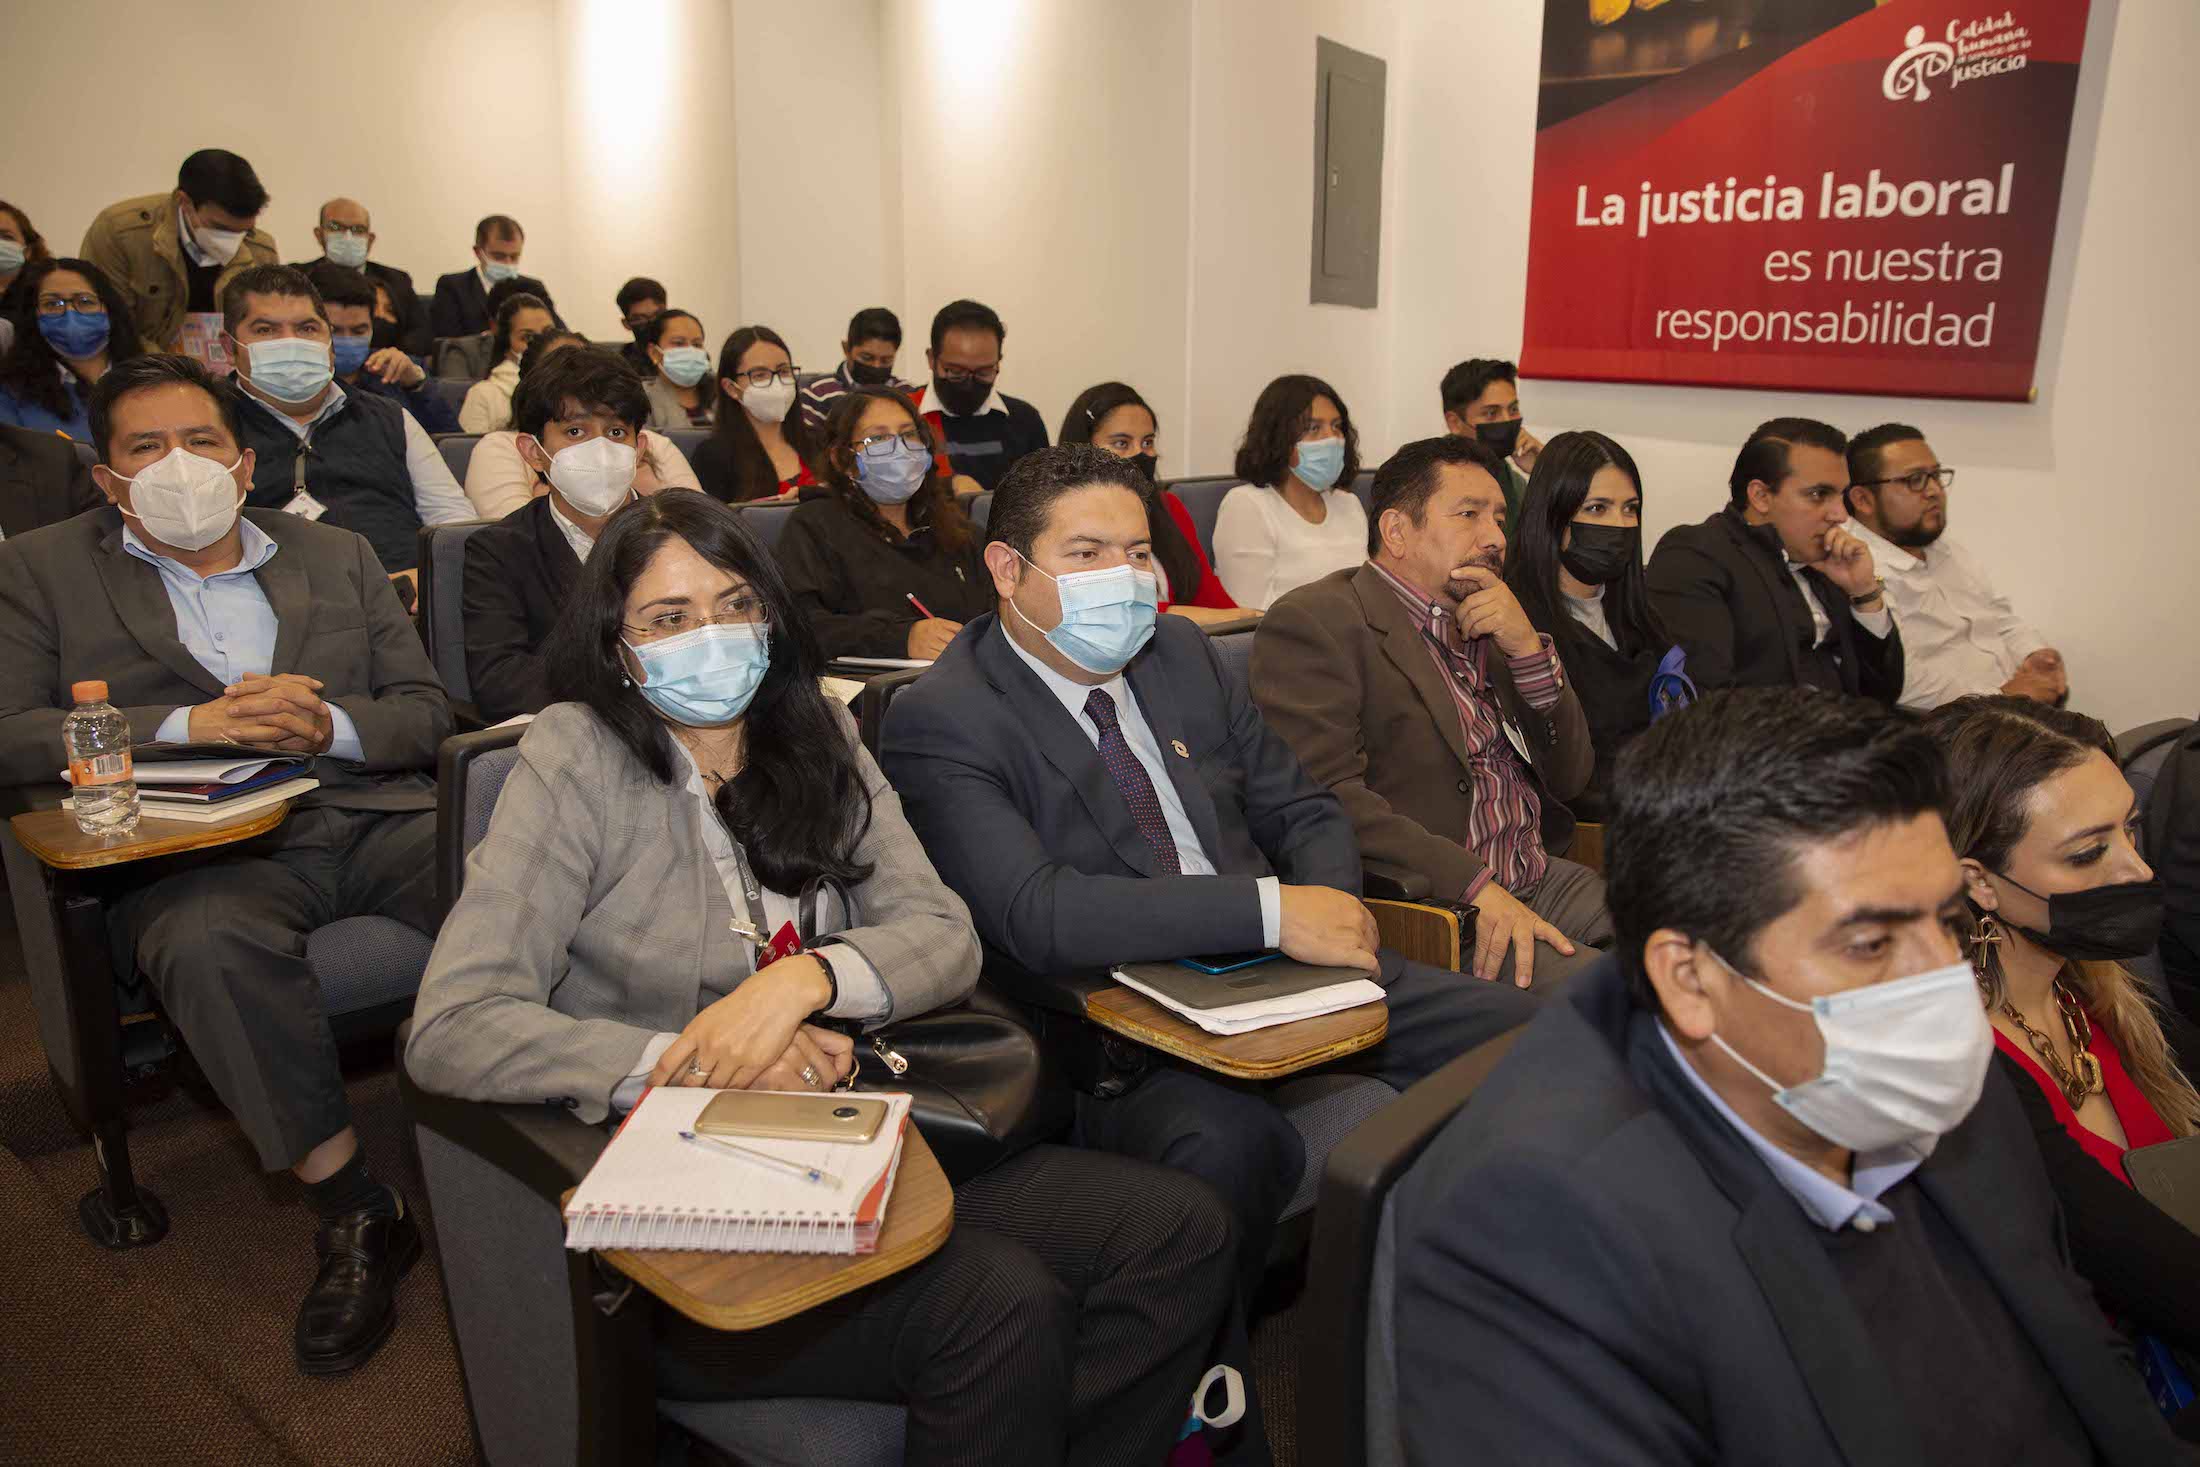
1265	1013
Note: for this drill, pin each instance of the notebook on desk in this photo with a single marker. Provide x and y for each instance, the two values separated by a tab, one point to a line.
1275	992
650	1189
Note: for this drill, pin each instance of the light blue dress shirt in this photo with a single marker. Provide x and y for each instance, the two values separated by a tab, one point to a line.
1191	857
1823	1200
225	622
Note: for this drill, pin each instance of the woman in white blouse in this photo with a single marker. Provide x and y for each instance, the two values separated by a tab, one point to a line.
1295	518
488	404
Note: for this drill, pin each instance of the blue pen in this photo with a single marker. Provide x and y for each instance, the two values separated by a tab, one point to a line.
764	1158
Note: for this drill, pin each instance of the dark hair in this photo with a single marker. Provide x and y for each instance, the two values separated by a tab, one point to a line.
501	226
965	314
338	285
874	323
1866	453
664	319
634	292
504	290
1025	501
212	176
1408	477
500	334
540	347
799	807
282	281
1279	418
1765	456
1471	378
157	369
932	507
1555	492
34	243
754	475
592	376
31	369
1713	804
1094	406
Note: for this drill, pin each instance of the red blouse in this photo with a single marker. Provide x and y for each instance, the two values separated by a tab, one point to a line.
2142	1125
1210	593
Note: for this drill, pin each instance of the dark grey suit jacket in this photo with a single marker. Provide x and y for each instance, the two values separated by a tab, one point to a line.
1593	1266
74	605
42	481
1023	820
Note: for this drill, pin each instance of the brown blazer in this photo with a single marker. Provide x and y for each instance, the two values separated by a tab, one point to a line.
1341	671
135	242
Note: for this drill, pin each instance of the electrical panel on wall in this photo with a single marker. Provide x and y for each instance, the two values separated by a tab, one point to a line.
1348	175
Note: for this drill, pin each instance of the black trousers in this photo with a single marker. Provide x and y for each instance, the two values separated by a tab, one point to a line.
224	943
1066	1320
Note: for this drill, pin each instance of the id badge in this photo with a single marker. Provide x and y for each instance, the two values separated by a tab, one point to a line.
785	943
1520	744
305	506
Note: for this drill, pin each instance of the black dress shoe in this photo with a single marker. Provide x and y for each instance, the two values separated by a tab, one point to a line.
349	1310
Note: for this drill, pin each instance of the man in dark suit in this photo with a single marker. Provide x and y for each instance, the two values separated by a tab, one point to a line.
1099	792
462	297
42	481
521	570
1416	688
345	234
261	628
1772	591
1750	1191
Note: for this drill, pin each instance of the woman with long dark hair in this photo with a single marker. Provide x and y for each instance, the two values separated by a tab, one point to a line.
1113	417
520	318
74	325
763	450
1295	518
884	563
1574	562
20	244
695	777
2058	899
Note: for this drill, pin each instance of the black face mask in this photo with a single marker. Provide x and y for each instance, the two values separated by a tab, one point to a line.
1499	437
385	334
1597	554
2100	924
1147	464
868	376
641	332
961	398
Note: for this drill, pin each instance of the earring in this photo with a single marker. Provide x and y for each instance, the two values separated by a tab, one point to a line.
1989	934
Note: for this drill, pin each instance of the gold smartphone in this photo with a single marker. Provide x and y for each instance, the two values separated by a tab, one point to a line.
781	1116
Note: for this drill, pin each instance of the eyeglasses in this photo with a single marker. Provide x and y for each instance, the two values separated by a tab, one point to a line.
1916	479
356	231
878	445
84	305
742	610
987	375
765	376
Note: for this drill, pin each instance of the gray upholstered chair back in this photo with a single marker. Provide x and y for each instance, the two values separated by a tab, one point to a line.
765	521
458	451
1202	500
1236	651
443	603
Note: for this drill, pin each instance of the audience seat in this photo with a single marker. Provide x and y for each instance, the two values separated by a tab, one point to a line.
460	358
1363	484
85	453
687	440
1348	1380
442	611
1202	499
765	521
458	451
556	1351
2142	752
452	391
980	508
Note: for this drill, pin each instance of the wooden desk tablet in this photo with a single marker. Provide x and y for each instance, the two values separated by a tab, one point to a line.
744	1291
1263	1054
53	837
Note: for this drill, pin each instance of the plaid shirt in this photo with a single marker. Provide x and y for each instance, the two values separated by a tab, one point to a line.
1504	817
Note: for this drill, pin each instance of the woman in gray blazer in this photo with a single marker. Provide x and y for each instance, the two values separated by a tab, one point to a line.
661	824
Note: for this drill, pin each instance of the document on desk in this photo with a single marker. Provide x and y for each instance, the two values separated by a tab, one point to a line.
652	1189
1285	993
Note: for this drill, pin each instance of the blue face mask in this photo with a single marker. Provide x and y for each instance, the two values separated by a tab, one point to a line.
351	353
685	365
75	335
290	368
498	272
894	476
1107	616
1320	463
706	677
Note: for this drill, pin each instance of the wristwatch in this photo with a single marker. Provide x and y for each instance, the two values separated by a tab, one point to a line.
1879	588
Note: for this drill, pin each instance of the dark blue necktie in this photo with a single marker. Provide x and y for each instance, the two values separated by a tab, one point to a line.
1130	779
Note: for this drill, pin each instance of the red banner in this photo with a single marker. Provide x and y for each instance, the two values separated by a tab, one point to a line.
1824	195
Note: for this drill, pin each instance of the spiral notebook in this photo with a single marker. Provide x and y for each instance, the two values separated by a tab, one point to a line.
652	1190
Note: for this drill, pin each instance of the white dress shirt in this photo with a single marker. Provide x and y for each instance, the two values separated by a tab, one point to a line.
437	499
1878	623
1959	635
1191	856
1264	547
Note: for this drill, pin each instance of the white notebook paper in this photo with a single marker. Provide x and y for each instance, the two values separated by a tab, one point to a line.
650	1189
1266	1013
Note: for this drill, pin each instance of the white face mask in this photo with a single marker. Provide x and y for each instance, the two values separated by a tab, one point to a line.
595	477
185	500
222	244
769	404
1905	1061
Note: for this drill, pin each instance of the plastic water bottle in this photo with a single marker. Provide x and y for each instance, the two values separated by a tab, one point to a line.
97	737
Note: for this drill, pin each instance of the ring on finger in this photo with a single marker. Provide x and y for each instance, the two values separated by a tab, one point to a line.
810	1076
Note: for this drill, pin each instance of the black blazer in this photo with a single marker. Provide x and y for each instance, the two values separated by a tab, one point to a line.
2173	846
1723	589
1614	690
519	574
461	305
853	585
1024	822
1593	1267
42	481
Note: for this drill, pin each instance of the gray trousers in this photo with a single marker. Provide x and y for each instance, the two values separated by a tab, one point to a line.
224	944
1571	898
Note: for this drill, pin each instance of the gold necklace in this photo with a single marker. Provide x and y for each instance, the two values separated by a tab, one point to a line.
2083	1075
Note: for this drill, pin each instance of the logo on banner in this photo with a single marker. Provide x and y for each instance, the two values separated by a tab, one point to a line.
1973	49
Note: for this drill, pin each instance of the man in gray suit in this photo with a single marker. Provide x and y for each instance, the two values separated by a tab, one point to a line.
261	628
